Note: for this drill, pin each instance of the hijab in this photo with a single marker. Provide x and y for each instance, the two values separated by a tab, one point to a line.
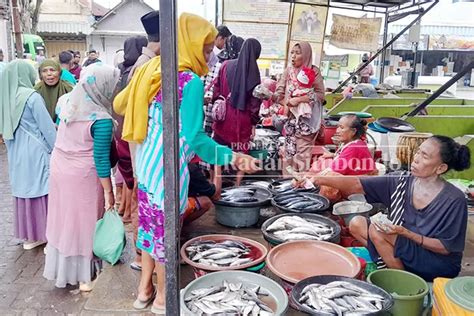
246	75
233	45
91	98
16	86
132	50
51	94
193	33
307	53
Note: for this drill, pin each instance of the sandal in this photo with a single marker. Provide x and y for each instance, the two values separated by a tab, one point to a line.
158	310
135	266
138	304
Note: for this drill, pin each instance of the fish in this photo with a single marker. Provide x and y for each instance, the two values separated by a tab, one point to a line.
286	187
340	298
229	299
298	201
219	254
293	227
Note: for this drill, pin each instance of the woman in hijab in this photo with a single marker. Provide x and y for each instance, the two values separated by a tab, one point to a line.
132	50
236	81
143	125
301	133
51	87
80	175
29	136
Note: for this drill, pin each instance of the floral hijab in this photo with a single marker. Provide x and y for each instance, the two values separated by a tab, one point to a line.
91	99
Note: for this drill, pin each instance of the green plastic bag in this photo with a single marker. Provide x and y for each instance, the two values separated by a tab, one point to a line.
109	237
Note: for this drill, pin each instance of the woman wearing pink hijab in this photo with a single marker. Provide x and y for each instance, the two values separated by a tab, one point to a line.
300	133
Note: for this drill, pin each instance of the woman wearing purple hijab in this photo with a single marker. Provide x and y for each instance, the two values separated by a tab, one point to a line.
236	81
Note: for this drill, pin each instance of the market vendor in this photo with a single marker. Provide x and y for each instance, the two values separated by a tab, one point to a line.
429	214
201	193
352	156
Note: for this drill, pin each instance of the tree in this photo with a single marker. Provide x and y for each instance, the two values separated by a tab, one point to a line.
30	10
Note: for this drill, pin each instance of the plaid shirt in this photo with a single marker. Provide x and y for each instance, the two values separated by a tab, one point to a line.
209	81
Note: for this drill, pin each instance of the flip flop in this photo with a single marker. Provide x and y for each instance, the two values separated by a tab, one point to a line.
158	310
138	304
135	266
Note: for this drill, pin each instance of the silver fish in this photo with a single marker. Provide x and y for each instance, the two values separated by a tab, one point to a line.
230	299
240	262
340	298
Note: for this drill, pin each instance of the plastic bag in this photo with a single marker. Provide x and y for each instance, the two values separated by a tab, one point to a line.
109	237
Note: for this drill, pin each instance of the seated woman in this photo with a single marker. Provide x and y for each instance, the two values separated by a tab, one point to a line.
429	214
353	156
201	193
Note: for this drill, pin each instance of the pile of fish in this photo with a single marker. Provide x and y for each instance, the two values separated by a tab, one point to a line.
285	187
229	299
340	298
296	228
228	253
299	202
239	195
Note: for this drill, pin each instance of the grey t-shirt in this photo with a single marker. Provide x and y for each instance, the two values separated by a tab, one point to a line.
445	218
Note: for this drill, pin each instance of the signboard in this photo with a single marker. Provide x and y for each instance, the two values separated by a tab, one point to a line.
451	42
341	60
309	23
272	37
269	11
355	33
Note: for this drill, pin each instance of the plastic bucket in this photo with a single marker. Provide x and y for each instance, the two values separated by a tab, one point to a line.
408	290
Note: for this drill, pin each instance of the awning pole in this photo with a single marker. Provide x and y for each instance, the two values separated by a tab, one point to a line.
169	88
441	89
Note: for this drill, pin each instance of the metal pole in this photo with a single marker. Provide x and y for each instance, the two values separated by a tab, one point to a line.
169	88
355	73
443	88
384	57
17	29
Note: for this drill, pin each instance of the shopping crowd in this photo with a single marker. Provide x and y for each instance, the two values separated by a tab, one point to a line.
68	133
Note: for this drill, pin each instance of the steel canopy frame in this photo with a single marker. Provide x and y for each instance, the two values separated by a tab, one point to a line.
391	18
393	11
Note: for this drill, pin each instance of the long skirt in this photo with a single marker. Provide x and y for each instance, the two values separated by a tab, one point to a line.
30	218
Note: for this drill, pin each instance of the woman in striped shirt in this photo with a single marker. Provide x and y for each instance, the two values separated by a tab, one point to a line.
143	124
80	174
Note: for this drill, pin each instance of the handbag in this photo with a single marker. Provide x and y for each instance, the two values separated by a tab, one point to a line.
219	109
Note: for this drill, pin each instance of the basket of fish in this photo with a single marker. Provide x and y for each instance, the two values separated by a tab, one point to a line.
233	293
301	202
335	295
240	206
210	253
278	187
287	227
